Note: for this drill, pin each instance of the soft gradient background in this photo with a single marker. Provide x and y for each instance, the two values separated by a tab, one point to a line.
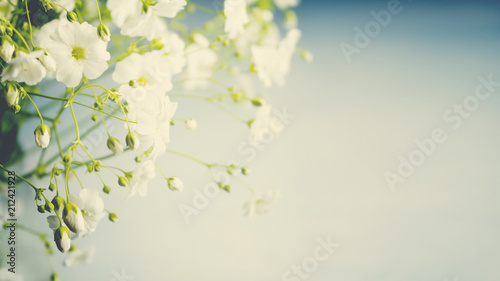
352	122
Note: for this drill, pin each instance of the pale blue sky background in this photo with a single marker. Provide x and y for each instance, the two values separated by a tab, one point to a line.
353	121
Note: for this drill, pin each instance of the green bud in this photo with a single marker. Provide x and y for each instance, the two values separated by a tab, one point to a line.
114	145
49	206
113	217
71	16
52	187
67	158
258	102
41	209
54	277
172	123
106	189
132	140
94	118
103	32
61	237
56	171
245	171
90	169
58	202
97	166
227	188
123	181
133	83
16	108
129	175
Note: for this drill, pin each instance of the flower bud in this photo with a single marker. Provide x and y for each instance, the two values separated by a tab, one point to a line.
113	217
71	16
49	206
103	32
227	188
52	187
94	118
41	209
42	135
67	158
123	181
16	108
54	277
258	102
106	189
246	171
58	202
175	184
73	218
61	237
97	166
114	145
132	140
191	124
90	168
11	94
133	83
307	56
7	50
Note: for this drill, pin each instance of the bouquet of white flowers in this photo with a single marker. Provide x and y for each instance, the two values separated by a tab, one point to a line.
151	51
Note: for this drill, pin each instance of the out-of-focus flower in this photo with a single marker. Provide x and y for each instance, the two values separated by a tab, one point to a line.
260	202
285	4
200	62
236	17
141	177
7	50
79	256
191	124
25	68
175	184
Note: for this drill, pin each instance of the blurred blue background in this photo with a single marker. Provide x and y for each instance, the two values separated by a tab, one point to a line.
353	121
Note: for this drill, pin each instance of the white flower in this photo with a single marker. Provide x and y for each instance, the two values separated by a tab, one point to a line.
153	123
7	50
285	4
136	22
236	17
200	62
77	51
25	68
79	256
6	275
273	63
141	177
150	72
175	184
264	124
92	207
68	4
191	124
259	203
42	135
48	62
173	51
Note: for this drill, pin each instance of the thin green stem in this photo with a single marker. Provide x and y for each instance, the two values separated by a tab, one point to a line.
39	114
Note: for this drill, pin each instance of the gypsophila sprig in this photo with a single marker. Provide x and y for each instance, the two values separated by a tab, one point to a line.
134	62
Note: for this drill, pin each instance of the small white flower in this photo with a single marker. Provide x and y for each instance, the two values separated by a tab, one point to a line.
141	177
7	50
79	256
236	17
273	63
25	68
42	136
122	10
200	62
259	203
264	124
191	124
92	209
77	51
175	184
285	4
150	72
150	23
173	51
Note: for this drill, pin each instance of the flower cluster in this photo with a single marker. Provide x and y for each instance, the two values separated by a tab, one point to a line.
154	58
